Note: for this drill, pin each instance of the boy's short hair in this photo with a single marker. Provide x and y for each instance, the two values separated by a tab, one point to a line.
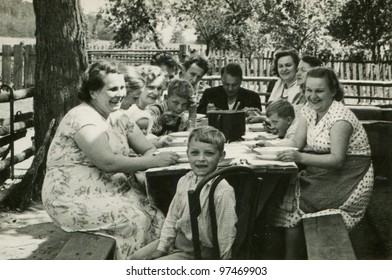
282	107
209	135
181	88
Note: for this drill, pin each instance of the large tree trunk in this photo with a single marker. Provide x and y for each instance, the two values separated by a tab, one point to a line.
61	60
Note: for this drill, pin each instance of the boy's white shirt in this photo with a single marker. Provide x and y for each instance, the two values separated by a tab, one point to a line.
178	216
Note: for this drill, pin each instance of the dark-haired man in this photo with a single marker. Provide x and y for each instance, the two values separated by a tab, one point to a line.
230	95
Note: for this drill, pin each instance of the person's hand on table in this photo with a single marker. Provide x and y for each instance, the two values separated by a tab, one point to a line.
289	155
255	119
165	141
252	112
155	255
211	107
166	158
168	118
264	143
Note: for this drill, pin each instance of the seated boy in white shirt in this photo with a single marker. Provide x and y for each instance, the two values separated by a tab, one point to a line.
205	151
281	116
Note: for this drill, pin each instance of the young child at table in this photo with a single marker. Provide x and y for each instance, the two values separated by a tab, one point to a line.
205	151
169	116
143	120
281	116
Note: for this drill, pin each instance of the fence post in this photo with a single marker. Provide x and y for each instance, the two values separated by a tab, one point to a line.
182	54
29	67
6	64
18	66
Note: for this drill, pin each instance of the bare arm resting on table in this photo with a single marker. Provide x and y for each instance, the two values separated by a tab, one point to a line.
94	143
340	136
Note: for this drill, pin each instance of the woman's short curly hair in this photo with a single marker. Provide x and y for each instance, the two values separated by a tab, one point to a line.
285	52
150	73
92	79
332	80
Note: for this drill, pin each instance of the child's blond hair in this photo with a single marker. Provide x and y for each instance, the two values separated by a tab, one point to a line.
282	107
209	135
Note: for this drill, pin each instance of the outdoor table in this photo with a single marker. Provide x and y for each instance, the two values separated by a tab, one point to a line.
162	182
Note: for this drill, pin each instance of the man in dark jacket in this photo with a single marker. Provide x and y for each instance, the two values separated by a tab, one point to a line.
230	95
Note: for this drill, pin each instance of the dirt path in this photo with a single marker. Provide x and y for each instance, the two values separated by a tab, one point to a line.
29	235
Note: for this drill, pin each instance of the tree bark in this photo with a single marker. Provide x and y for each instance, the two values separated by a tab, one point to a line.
61	60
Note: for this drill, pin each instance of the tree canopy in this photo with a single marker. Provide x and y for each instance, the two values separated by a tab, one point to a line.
364	23
17	18
133	20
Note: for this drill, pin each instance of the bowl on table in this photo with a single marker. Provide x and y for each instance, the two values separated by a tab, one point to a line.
256	127
270	153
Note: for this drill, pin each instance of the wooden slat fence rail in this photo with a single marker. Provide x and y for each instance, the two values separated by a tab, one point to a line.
12	129
18	65
129	57
259	84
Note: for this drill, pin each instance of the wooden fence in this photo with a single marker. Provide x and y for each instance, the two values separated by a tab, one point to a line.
18	66
13	128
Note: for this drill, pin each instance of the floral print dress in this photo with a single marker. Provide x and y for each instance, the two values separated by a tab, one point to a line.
80	197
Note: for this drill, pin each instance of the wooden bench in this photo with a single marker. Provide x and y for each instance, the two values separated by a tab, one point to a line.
87	246
327	238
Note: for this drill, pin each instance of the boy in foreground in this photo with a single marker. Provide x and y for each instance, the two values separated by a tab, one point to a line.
205	151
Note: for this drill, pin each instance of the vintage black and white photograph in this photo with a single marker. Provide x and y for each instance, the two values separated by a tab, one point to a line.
196	130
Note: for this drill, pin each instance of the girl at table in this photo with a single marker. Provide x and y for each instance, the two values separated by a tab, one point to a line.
333	145
144	85
205	151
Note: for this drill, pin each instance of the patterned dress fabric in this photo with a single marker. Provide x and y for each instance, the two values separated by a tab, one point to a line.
356	199
78	196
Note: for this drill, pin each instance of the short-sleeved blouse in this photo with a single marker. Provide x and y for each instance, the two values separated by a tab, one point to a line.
79	196
319	134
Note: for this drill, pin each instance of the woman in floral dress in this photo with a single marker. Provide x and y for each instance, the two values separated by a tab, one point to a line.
89	184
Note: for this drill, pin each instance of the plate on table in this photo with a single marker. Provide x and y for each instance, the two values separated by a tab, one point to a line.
198	116
259	136
270	153
178	141
250	144
180	134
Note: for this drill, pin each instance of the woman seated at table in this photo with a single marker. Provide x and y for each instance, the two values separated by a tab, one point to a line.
334	147
285	64
306	63
89	184
144	85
